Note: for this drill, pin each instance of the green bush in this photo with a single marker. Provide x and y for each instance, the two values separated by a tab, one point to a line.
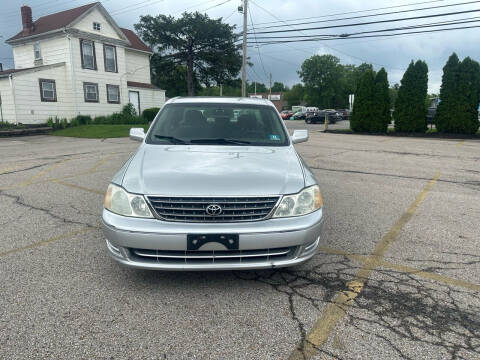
81	120
381	110
459	94
363	107
410	111
129	110
149	114
100	120
57	123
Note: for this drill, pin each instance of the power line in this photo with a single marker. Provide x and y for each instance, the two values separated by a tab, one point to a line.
214	6
348	35
229	16
370	36
370	22
134	6
258	48
374	15
329	47
356	12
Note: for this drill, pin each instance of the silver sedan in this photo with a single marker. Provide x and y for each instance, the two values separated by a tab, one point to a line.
216	184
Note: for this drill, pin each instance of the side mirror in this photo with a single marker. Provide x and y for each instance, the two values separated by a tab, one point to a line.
299	136
137	134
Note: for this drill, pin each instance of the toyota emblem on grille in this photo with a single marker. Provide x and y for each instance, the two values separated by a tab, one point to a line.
213	210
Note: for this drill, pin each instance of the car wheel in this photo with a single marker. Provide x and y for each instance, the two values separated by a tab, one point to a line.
308	121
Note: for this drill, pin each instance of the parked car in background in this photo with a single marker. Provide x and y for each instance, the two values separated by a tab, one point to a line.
319	117
338	115
300	115
260	210
345	114
431	115
298	108
286	114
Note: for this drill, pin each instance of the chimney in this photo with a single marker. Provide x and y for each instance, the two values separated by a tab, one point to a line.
26	18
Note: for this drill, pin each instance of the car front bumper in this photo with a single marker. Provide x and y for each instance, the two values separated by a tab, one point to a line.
160	245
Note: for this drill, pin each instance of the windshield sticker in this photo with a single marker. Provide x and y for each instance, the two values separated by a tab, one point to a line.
275	137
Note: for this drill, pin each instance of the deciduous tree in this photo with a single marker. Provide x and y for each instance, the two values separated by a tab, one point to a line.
205	47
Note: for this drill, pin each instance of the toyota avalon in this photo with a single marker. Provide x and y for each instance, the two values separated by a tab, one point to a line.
215	184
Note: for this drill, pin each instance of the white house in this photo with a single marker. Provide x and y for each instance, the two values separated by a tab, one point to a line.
75	62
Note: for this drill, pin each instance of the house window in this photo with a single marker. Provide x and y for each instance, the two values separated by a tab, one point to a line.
90	91
97	26
87	49
113	94
48	91
37	52
110	57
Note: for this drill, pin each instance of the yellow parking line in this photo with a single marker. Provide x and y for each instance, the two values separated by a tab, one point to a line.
48	241
79	187
405	269
460	143
100	163
337	310
7	169
41	173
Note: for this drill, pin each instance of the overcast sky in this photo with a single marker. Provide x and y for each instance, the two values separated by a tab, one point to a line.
284	60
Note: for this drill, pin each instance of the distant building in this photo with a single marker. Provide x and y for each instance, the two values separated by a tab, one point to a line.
77	61
275	97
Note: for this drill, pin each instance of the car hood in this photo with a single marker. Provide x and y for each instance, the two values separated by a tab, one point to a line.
205	170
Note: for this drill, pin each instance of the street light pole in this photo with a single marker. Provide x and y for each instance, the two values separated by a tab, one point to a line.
244	49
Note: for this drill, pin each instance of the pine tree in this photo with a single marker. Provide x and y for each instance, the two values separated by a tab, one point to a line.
459	95
410	111
445	115
363	105
381	97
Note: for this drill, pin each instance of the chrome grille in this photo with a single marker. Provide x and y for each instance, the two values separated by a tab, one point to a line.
193	209
214	257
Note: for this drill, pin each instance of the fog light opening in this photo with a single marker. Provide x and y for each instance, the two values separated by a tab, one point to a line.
115	250
310	247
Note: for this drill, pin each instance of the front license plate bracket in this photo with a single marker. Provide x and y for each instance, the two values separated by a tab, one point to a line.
196	241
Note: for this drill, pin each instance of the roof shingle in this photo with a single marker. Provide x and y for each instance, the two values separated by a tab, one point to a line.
135	41
53	21
62	19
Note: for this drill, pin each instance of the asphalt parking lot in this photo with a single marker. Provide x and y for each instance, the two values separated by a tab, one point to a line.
397	275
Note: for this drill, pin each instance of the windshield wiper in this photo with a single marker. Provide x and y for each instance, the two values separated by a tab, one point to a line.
172	139
221	141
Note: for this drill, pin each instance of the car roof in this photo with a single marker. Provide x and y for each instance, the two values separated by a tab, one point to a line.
219	100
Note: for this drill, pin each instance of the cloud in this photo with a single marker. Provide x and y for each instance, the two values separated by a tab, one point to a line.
284	60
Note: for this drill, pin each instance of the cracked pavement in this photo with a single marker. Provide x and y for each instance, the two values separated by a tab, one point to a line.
64	298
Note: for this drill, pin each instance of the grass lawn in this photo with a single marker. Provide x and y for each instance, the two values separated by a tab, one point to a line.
97	131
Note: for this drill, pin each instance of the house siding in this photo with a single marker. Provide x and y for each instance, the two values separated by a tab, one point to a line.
100	77
53	51
149	98
137	66
29	107
8	107
86	24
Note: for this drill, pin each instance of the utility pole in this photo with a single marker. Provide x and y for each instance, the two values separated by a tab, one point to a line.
255	84
221	89
270	84
244	49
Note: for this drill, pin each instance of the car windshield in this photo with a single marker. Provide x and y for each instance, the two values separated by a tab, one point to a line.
218	124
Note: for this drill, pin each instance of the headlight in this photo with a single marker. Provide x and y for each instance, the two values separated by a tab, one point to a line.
123	203
305	202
